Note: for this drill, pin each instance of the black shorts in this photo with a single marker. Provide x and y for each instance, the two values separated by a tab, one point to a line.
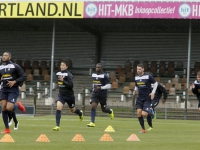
10	94
102	99
70	100
143	103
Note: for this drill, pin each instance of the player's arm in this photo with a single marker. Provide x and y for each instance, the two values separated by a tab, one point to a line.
163	90
21	74
106	86
68	81
194	90
135	90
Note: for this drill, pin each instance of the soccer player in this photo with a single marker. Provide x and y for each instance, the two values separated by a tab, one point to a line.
66	93
11	76
143	83
12	115
159	91
196	88
99	95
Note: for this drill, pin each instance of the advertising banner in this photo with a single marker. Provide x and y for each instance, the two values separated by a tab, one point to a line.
41	10
179	10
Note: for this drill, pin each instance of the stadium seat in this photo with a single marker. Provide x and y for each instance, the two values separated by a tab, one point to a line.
44	72
168	86
36	72
131	85
29	77
178	86
126	90
114	85
172	91
121	79
175	80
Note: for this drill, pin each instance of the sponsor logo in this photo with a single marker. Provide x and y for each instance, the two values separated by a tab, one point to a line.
184	10
91	10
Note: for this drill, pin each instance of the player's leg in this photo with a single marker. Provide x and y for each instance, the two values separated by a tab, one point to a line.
94	103
5	115
105	108
71	103
10	119
60	103
15	120
199	106
139	106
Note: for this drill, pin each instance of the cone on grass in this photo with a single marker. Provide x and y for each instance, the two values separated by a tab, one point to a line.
78	137
109	129
106	137
133	137
42	138
7	138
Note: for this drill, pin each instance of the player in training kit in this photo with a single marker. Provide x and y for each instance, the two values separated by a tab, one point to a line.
11	76
66	93
196	88
159	92
99	94
143	83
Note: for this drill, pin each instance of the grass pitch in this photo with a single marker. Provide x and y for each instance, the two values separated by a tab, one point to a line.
167	134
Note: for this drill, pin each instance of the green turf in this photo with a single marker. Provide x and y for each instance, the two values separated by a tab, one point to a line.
167	134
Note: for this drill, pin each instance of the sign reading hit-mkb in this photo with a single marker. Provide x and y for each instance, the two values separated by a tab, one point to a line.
142	10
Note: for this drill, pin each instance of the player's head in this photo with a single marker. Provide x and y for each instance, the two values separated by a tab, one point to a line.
140	69
198	76
6	56
98	68
63	65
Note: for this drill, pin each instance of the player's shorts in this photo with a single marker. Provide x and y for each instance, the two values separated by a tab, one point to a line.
10	94
69	99
154	103
143	103
102	99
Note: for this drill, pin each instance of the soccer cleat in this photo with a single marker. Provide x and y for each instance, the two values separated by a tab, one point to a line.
91	124
150	129
81	117
6	131
10	122
152	113
112	116
57	128
21	107
142	131
16	126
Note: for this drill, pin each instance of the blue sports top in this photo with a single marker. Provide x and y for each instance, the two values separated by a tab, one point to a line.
143	83
196	89
100	80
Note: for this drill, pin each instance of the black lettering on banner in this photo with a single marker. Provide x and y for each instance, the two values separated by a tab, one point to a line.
2	9
75	11
11	8
29	9
41	9
18	9
68	11
49	8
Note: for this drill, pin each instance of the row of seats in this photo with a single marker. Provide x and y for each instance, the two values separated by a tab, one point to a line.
27	64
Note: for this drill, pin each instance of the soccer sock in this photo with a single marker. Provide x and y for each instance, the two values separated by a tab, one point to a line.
141	120
93	114
58	116
77	111
14	117
5	118
15	107
9	116
149	120
108	110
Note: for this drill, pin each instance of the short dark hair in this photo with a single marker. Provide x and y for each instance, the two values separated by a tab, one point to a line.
8	53
140	65
198	73
65	62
